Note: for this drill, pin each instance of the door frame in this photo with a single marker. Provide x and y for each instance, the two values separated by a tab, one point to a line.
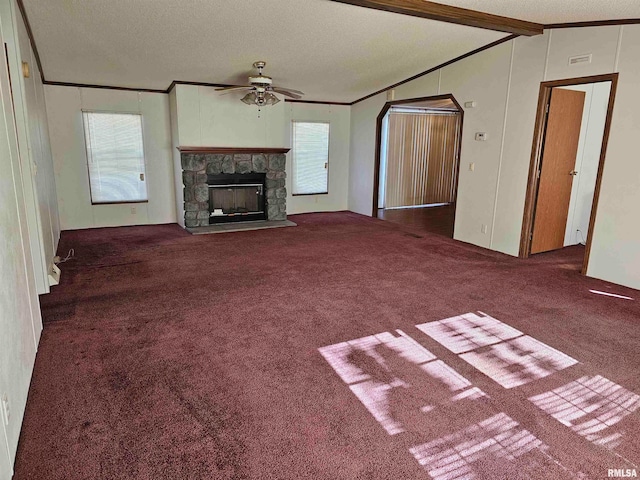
537	150
380	118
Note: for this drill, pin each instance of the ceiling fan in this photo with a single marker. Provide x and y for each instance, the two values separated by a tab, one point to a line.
261	89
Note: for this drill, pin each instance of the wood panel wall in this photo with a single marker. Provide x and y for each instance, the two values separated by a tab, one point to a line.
422	149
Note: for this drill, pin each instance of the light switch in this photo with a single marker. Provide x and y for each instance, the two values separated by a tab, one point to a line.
472	167
470	104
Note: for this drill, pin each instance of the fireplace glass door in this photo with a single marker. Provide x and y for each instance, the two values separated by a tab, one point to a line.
236	199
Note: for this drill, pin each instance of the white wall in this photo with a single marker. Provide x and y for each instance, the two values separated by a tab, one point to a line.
20	321
207	118
505	82
594	117
362	153
6	469
615	251
33	137
488	86
177	167
40	150
64	107
338	117
527	71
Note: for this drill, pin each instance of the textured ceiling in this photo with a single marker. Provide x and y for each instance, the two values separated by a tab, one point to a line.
331	51
554	11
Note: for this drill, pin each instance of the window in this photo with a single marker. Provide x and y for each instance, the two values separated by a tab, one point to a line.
310	158
115	157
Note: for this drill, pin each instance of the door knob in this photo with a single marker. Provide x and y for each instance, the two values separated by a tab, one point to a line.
573	173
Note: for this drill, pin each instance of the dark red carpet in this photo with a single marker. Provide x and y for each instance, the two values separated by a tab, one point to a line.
171	356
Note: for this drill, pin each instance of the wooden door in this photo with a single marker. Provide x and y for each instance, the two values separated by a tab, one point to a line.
556	174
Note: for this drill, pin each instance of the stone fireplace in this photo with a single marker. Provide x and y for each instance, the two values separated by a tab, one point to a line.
233	184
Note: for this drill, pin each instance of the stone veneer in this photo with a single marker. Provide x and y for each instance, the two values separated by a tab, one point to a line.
196	167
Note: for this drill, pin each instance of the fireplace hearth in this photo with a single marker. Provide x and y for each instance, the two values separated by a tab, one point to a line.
233	185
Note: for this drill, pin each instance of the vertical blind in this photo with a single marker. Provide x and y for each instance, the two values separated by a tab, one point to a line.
115	156
310	157
422	152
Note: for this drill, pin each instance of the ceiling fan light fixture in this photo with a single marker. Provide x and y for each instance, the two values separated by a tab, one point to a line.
250	98
260	98
270	99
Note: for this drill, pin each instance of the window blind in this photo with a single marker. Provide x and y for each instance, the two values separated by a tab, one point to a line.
310	158
115	157
422	153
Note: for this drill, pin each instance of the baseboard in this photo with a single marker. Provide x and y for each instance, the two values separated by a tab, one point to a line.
54	275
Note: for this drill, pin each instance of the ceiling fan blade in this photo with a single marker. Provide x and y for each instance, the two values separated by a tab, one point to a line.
234	87
235	90
297	92
286	93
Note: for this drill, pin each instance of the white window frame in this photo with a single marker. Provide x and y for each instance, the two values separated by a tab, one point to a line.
144	156
293	157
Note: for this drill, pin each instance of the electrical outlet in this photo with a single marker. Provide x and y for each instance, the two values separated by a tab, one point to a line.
6	413
133	210
483	229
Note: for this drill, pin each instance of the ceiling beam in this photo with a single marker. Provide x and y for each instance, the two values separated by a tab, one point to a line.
449	14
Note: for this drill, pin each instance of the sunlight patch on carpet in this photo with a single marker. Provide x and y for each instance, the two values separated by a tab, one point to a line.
469	331
452	457
498	350
590	406
397	379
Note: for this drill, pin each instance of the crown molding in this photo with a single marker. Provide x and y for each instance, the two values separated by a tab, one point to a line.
317	102
595	23
109	87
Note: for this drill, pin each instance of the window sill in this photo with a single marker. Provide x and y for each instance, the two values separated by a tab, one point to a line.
120	203
308	194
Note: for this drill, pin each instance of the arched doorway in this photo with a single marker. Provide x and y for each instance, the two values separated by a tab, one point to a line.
417	162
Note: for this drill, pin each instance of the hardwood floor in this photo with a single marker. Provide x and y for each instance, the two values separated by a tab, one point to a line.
438	220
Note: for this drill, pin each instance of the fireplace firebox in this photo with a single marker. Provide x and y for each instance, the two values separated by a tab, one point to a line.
236	197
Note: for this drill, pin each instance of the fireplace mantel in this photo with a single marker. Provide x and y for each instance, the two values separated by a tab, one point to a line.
229	150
